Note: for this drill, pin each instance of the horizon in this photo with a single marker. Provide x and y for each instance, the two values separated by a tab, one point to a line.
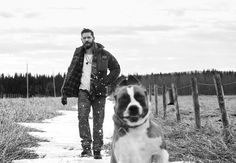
177	72
153	36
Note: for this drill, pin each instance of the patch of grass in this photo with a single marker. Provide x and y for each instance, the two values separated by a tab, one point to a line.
185	143
207	145
14	139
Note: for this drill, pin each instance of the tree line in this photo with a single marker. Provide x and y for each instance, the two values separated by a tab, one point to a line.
42	85
182	80
39	85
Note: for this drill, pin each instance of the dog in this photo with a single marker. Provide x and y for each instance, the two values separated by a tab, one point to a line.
136	138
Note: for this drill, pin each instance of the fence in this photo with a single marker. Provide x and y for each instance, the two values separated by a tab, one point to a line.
11	95
173	96
14	95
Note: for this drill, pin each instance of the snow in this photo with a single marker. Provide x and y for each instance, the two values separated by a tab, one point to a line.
63	135
64	141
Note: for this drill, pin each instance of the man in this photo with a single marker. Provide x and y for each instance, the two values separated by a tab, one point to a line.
87	79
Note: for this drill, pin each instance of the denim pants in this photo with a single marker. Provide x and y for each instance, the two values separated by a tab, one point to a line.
85	101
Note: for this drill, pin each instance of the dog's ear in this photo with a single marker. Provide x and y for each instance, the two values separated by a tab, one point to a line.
132	80
122	81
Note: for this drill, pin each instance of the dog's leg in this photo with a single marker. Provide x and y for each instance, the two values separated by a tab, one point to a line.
113	159
163	157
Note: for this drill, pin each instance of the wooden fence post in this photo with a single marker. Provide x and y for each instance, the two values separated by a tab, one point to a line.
196	103
156	98
175	93
224	117
164	100
220	95
171	97
27	82
54	86
150	92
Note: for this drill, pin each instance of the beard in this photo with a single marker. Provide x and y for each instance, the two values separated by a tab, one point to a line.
88	45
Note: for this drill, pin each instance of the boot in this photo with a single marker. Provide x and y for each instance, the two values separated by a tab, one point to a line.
97	155
86	153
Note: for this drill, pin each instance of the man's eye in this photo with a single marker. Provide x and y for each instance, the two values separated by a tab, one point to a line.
86	37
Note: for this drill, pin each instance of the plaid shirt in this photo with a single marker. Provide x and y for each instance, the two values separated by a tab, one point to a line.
102	61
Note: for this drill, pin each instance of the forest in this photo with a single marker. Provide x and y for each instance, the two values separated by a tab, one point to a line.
43	85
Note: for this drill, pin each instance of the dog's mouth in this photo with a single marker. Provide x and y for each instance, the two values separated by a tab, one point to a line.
132	118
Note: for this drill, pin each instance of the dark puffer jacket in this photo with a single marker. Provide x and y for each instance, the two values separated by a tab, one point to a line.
102	61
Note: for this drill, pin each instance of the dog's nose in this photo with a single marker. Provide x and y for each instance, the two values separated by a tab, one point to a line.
133	110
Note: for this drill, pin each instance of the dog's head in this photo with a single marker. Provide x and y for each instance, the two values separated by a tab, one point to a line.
131	102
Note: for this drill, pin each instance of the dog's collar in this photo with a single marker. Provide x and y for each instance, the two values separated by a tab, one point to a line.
123	126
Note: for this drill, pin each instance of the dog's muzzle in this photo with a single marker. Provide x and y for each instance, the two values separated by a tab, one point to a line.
133	113
133	110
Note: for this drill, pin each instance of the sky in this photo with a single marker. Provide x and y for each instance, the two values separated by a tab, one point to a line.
145	36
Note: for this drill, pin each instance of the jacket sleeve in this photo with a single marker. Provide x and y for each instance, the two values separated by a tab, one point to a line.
114	69
66	89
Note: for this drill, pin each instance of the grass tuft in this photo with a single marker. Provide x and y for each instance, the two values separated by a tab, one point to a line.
207	145
14	139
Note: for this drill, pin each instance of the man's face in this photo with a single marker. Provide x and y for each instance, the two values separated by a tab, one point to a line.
87	40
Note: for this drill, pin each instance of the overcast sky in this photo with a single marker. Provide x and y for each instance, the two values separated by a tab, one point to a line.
146	36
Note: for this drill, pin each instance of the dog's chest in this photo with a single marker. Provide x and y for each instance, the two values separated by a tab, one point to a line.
136	147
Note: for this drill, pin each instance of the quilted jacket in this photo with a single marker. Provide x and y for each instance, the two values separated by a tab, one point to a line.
102	61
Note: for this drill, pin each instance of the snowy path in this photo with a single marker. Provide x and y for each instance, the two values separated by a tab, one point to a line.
64	141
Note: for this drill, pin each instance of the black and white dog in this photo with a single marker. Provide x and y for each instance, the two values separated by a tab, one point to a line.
136	138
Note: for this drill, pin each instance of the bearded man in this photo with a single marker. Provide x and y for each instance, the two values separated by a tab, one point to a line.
87	78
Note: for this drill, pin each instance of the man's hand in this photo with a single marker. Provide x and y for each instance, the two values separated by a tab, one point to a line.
64	100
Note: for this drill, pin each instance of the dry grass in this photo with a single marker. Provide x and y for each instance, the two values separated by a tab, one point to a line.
208	145
183	141
14	138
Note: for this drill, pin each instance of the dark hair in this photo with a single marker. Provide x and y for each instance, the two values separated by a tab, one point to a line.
86	30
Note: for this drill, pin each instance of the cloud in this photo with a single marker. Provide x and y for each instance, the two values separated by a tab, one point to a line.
101	30
23	14
124	30
32	15
68	8
213	36
21	47
50	30
6	15
226	25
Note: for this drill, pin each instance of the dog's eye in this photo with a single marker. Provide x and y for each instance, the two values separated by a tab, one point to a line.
124	100
139	97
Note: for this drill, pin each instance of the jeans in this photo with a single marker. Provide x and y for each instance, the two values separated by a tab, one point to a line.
85	101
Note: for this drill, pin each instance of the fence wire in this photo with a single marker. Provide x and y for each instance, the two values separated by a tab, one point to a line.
229	83
189	86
